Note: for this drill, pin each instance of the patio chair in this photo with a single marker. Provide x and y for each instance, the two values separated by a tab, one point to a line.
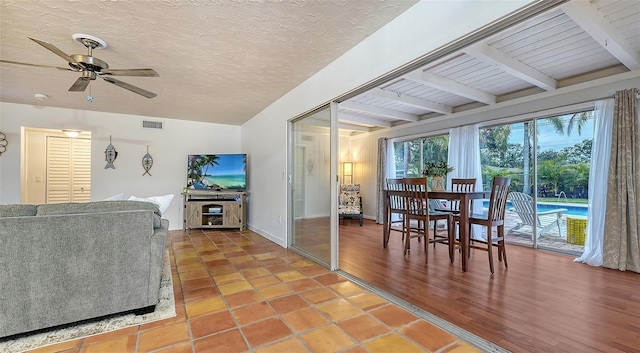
350	202
545	220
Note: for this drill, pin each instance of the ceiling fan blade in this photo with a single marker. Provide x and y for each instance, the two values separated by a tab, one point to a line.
80	85
130	72
37	65
129	87
56	51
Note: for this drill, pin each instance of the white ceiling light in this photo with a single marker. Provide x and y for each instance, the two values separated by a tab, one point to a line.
40	96
71	133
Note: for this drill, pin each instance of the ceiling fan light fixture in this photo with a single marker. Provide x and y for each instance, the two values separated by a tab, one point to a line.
89	41
71	133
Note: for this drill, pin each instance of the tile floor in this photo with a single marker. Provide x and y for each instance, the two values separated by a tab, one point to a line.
238	292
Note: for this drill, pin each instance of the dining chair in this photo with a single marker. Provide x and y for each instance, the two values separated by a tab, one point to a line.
396	206
494	217
418	215
453	206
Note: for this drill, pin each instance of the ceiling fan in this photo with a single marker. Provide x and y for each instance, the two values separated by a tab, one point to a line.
91	67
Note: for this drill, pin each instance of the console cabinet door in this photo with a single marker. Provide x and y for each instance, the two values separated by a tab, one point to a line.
232	214
193	215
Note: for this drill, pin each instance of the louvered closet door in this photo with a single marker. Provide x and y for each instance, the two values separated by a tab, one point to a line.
81	170
68	170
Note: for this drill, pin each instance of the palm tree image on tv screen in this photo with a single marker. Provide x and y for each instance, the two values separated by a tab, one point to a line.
217	172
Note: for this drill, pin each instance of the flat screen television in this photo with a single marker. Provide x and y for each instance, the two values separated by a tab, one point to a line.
217	172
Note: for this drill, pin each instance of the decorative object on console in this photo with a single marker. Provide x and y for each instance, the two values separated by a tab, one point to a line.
3	143
218	172
147	162
437	171
110	155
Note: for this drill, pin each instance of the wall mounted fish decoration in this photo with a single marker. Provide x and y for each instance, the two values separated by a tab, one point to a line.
147	162
110	155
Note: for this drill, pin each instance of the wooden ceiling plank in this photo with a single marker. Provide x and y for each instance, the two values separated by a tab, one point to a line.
512	66
451	86
411	101
354	119
598	27
388	113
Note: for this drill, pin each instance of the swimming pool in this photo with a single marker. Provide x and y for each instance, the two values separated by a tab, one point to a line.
571	209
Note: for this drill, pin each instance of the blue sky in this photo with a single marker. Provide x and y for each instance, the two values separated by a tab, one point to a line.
549	139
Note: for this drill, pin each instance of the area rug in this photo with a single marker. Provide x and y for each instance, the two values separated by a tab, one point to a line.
166	308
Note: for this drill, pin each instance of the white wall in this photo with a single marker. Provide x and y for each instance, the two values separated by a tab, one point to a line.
421	29
169	149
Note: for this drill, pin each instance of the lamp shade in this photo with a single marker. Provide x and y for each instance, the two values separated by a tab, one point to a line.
347	172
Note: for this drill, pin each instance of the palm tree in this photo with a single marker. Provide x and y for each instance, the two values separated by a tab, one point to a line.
577	119
209	160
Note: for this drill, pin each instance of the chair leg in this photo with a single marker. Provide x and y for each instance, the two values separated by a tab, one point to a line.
490	249
426	243
504	253
502	246
435	228
406	237
451	232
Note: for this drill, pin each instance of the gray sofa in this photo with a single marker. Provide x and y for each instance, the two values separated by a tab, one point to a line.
62	263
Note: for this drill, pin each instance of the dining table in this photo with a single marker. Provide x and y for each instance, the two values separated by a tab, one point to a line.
464	197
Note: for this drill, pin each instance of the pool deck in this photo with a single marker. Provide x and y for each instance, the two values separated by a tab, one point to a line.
551	239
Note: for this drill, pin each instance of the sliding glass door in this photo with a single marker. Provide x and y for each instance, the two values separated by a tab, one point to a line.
312	186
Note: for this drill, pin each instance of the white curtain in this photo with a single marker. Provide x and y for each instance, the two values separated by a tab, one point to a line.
464	156
600	155
386	169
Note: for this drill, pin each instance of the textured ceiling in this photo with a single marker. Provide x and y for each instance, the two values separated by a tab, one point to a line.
218	61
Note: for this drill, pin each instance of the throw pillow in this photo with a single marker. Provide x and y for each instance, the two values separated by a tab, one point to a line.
163	202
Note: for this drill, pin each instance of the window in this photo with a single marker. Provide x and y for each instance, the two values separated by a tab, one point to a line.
411	155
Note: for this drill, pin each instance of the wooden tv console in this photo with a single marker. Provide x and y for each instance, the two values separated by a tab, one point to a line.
214	209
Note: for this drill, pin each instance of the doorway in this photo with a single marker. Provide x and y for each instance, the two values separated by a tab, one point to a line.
55	167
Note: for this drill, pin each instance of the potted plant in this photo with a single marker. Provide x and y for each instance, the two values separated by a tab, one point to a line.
436	171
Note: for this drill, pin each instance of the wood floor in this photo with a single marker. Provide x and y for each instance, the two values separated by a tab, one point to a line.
544	302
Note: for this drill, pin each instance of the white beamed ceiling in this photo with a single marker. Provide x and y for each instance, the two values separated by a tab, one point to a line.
570	44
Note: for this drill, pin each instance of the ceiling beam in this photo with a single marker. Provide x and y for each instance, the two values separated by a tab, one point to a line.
451	86
410	101
384	112
325	123
597	26
357	120
514	67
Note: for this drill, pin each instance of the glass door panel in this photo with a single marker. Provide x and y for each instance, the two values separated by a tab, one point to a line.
563	158
310	231
506	150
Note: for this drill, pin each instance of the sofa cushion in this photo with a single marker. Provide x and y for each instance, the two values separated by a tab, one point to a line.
99	206
17	210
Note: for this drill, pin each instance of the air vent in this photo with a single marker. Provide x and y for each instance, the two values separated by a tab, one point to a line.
307	138
156	125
